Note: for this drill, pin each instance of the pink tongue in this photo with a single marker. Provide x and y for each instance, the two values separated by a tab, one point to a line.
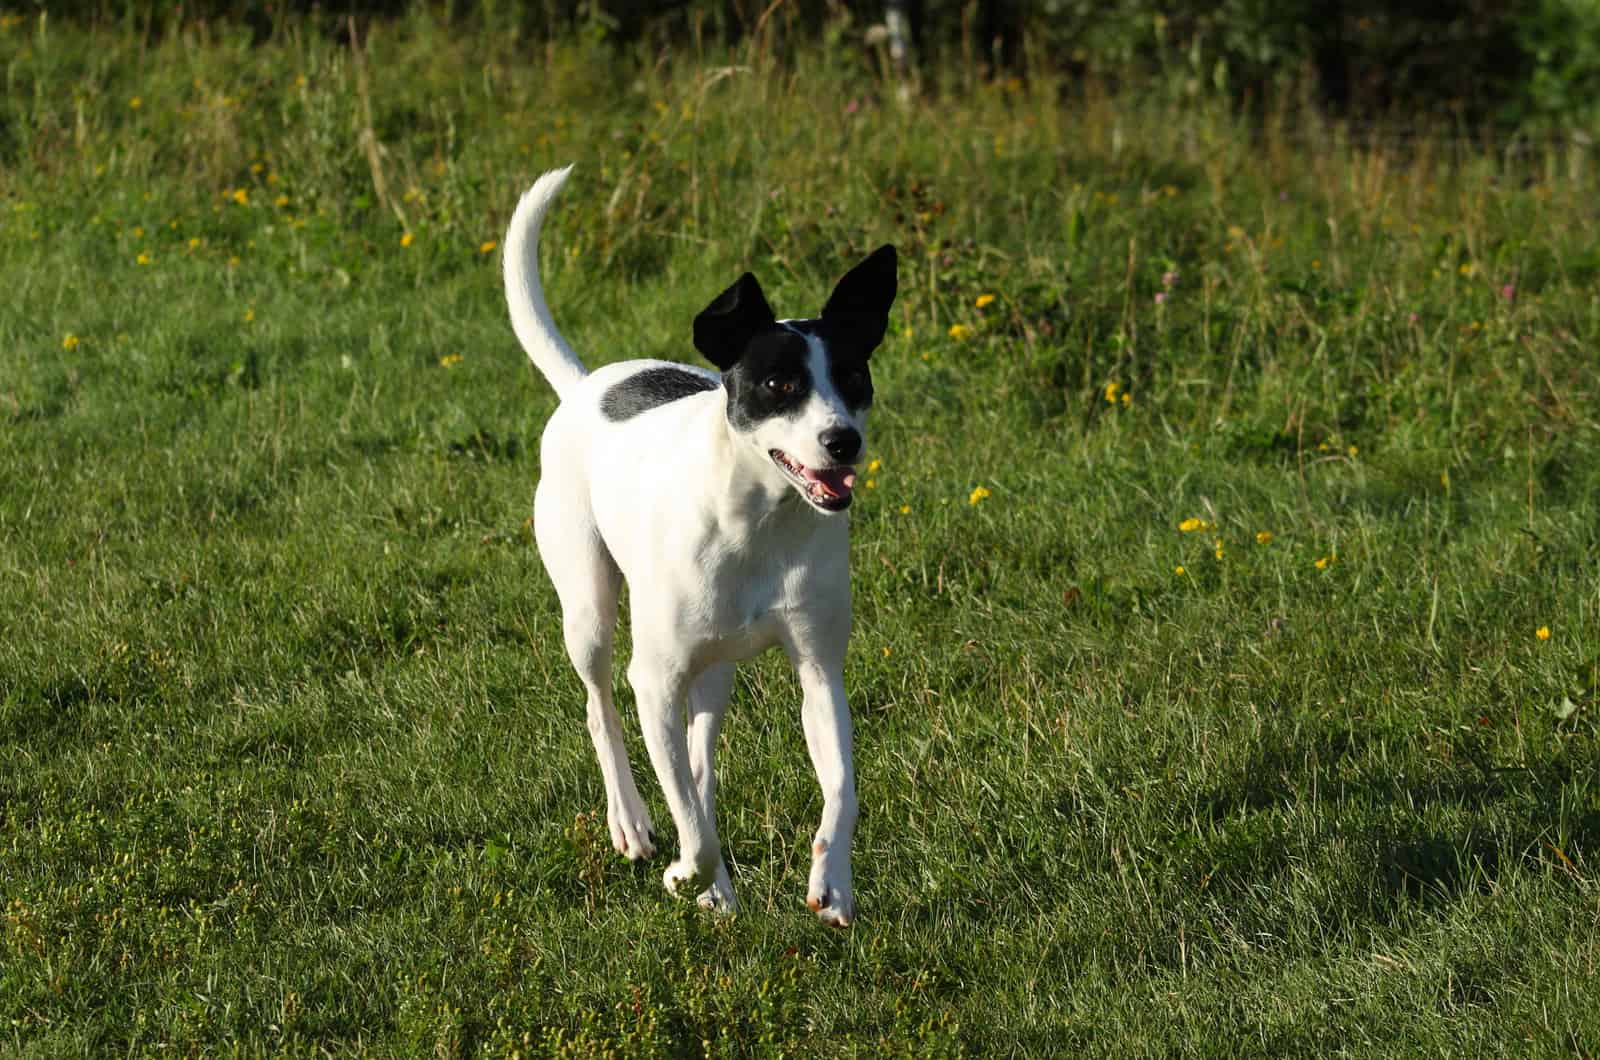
838	481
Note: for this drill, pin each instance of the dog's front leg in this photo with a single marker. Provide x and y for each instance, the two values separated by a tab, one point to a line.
825	715
661	687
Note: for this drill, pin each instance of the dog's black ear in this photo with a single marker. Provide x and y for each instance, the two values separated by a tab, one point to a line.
859	305
725	327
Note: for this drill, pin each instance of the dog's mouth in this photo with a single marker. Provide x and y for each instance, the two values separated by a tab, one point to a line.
828	488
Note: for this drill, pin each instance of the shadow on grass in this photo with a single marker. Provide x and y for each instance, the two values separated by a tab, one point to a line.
1501	820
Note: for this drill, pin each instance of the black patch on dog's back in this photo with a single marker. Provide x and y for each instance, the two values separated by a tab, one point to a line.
651	388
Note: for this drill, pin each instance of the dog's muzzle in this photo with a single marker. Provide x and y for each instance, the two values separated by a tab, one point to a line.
830	489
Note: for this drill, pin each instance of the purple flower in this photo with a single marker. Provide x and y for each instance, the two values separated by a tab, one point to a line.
1411	318
853	106
1509	291
1161	296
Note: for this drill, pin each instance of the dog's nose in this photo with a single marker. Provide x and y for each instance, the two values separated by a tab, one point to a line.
842	443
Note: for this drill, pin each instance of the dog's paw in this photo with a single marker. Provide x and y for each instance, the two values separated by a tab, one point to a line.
834	910
630	832
719	896
830	895
683	877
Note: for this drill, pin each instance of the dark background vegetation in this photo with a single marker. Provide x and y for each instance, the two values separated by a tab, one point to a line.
1489	64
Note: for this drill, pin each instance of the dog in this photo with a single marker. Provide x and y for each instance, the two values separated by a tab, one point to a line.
721	498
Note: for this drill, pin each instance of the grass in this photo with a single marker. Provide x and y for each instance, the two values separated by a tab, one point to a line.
291	760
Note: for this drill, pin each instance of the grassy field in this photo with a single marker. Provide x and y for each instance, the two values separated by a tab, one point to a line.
1226	671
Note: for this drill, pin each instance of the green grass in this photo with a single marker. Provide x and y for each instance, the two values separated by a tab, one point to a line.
290	756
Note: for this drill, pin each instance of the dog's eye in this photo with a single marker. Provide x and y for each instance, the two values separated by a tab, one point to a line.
780	385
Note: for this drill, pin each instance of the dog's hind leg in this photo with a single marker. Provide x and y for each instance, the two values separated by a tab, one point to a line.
662	686
708	704
587	581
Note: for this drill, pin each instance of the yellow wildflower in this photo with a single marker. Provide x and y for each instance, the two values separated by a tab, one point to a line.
1180	570
450	360
70	341
249	314
960	331
487	246
143	258
905	509
1112	390
977	495
135	103
241	196
405	240
1264	537
875	465
1191	524
1323	561
984	300
1543	633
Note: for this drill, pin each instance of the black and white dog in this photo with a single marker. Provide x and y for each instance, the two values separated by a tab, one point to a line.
719	497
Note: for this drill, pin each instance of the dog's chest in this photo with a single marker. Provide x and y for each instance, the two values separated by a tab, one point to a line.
721	589
744	607
740	605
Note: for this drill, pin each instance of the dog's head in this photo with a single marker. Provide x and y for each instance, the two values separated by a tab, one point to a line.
799	390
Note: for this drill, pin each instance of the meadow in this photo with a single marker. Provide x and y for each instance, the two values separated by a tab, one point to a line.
1226	669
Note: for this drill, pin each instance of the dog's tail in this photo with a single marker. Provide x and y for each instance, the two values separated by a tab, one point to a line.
530	317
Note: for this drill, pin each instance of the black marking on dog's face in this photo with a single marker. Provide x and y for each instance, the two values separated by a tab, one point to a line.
849	370
651	388
772	378
766	365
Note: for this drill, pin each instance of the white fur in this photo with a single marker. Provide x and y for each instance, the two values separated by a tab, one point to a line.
530	319
723	559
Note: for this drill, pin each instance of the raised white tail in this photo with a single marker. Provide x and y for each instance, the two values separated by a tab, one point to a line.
530	317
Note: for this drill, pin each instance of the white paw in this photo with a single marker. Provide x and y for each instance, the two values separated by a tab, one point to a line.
719	896
630	830
830	895
684	878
